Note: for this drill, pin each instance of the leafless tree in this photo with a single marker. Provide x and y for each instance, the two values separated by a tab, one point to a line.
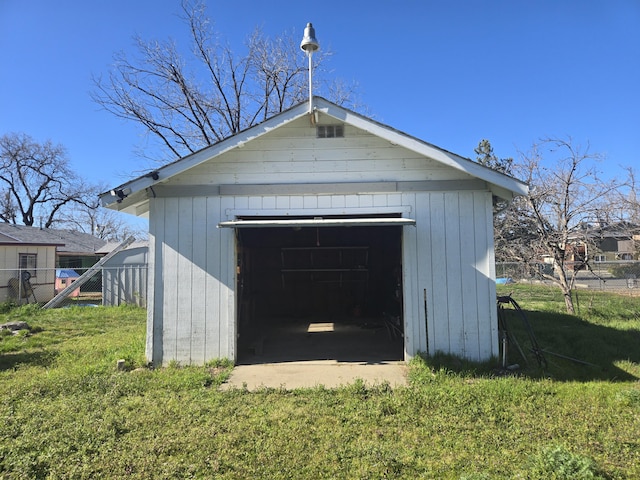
8	207
111	226
628	202
37	182
629	198
187	104
566	194
98	221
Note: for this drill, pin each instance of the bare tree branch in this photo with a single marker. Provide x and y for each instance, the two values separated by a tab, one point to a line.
37	181
566	193
187	104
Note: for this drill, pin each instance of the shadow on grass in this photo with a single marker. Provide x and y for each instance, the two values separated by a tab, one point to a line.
574	349
592	350
11	360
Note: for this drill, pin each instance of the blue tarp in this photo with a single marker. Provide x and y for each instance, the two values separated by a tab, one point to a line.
66	273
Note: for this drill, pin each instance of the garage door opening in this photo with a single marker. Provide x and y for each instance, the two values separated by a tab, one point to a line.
320	291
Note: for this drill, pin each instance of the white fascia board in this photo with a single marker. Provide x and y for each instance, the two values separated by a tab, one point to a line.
402	139
318	222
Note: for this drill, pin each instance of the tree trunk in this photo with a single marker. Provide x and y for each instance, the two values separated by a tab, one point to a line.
566	289
568	301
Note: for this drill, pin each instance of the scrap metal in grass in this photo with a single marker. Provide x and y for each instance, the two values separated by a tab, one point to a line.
508	337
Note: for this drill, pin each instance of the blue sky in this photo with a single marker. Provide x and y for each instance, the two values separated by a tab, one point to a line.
448	72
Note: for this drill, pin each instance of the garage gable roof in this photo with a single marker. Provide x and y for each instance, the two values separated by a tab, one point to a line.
134	193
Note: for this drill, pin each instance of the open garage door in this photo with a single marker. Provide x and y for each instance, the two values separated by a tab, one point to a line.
319	288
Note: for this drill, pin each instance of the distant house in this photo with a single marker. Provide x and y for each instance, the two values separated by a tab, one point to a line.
617	241
322	216
606	243
36	253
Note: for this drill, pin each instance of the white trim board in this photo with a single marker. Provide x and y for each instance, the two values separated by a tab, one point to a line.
318	222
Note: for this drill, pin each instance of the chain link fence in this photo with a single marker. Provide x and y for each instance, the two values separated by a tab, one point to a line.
616	276
108	286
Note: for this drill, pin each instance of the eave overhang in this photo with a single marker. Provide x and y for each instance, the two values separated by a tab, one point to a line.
133	196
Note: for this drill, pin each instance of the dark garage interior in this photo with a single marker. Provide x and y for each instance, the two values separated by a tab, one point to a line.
319	293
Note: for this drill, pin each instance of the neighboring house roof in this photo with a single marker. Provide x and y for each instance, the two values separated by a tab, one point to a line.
68	242
8	239
619	230
133	194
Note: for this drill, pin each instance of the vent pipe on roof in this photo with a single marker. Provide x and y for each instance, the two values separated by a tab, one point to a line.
309	45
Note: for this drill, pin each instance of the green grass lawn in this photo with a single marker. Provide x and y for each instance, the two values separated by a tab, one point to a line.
67	412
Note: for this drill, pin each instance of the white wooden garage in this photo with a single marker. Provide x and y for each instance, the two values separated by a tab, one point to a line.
323	218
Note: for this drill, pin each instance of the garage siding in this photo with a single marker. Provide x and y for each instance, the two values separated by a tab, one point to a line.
192	289
292	154
455	267
448	254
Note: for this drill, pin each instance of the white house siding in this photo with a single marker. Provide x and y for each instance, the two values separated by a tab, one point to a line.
192	318
42	283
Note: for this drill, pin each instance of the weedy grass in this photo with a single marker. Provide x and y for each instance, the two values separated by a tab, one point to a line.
66	411
599	343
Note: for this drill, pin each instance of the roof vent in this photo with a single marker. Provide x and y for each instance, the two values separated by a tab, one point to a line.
330	131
